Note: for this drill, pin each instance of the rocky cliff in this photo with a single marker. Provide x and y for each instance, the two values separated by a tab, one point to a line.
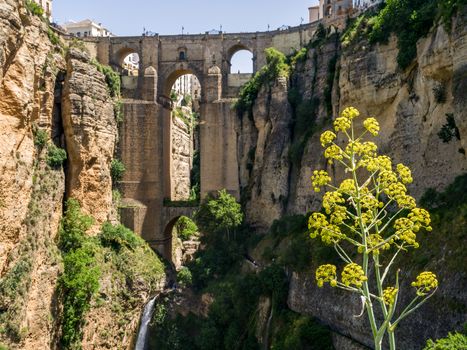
279	148
57	138
182	155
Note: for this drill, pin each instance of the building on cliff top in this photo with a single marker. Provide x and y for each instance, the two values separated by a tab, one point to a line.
334	10
86	28
47	6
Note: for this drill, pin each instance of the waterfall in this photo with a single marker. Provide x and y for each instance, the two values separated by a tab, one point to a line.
143	328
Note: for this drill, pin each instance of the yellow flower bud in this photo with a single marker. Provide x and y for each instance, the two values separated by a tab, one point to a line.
353	274
372	125
425	282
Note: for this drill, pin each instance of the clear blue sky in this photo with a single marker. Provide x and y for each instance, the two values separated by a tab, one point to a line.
168	16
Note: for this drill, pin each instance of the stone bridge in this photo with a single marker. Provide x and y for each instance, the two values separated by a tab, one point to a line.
145	135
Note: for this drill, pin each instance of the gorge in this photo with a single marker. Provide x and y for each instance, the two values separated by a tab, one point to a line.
73	275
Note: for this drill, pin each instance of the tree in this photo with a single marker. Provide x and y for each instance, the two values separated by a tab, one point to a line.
219	215
370	212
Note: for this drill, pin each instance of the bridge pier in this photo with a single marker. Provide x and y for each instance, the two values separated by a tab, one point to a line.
145	134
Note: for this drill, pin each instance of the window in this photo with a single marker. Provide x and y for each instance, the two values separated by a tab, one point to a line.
181	55
78	34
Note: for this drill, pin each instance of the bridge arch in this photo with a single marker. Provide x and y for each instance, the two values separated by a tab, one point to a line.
170	217
176	72
233	50
127	59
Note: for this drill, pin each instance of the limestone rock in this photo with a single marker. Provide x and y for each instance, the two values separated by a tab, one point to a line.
90	132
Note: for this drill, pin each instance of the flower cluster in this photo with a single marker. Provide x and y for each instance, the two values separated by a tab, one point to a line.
342	124
404	173
373	164
421	218
425	282
331	199
327	137
372	125
353	274
375	242
398	192
350	113
389	295
348	187
326	273
320	178
406	228
333	152
319	225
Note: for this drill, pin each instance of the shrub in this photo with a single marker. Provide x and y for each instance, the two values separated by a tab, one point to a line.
449	130
118	110
276	66
451	342
118	236
40	137
73	227
80	278
117	170
186	228
299	332
56	156
184	277
409	20
34	8
440	93
53	37
112	78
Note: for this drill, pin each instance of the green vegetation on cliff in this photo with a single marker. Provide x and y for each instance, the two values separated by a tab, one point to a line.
454	341
276	66
80	278
116	254
409	20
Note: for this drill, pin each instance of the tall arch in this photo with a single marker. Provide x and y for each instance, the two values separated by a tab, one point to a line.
181	141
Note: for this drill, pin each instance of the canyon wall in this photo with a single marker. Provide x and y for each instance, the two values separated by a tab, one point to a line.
279	148
53	97
182	154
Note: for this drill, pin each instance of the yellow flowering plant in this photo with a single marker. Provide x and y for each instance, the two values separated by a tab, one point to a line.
372	212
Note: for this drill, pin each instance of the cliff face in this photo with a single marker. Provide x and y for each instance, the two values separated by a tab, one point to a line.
182	153
91	133
278	156
52	97
30	192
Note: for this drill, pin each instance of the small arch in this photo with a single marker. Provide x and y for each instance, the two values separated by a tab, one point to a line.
171	249
240	59
128	61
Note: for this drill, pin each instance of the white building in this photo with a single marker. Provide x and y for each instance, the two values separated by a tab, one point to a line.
335	9
47	6
188	84
364	4
131	63
86	28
